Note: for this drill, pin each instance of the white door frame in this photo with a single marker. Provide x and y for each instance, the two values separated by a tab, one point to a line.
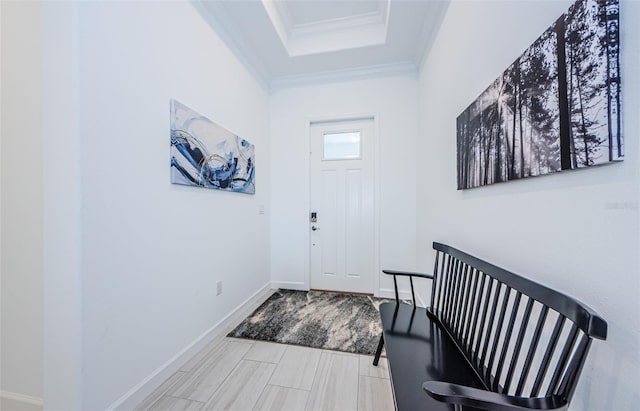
376	190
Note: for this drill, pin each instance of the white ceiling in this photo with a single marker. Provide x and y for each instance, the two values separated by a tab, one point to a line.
293	41
302	12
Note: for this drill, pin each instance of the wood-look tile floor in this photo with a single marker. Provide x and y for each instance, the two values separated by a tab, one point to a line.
244	375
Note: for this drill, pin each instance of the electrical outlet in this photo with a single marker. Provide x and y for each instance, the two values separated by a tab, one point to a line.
218	287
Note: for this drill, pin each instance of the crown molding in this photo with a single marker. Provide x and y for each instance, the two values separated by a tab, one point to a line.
280	19
221	20
359	73
218	18
361	30
338	24
429	33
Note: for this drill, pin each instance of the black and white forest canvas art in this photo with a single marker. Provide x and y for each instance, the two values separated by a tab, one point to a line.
557	107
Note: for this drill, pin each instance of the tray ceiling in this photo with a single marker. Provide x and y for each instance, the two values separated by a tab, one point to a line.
282	41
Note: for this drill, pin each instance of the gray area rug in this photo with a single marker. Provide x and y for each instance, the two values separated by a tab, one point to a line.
333	321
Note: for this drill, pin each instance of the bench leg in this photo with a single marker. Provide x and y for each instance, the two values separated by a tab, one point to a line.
378	351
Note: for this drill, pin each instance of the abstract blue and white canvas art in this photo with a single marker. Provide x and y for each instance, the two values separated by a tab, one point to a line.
205	154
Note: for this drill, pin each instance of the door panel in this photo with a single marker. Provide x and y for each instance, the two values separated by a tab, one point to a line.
353	209
329	222
342	244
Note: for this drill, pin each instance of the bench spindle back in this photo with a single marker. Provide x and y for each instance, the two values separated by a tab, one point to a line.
507	325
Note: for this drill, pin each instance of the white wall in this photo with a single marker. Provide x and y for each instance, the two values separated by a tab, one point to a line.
22	201
394	101
62	362
576	231
152	251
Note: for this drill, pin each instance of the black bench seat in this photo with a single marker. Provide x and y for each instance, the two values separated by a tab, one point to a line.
490	340
419	351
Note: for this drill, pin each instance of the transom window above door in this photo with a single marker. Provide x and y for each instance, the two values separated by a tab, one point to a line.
343	145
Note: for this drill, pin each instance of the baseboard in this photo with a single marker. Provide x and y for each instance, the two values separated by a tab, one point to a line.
420	302
289	285
383	292
145	387
403	294
36	402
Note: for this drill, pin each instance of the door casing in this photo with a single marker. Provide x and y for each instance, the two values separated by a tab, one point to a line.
376	190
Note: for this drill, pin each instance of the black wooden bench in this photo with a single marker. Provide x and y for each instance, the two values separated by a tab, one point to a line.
490	340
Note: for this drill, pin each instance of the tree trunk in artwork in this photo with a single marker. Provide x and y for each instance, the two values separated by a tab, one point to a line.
522	175
487	160
497	175
613	79
565	118
609	116
583	125
574	160
498	169
520	110
516	91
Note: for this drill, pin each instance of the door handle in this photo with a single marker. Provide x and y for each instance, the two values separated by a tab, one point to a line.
314	228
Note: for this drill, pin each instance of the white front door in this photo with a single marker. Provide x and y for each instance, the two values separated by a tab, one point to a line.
342	203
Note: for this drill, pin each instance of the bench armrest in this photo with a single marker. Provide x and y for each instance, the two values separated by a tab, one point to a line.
409	274
488	400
